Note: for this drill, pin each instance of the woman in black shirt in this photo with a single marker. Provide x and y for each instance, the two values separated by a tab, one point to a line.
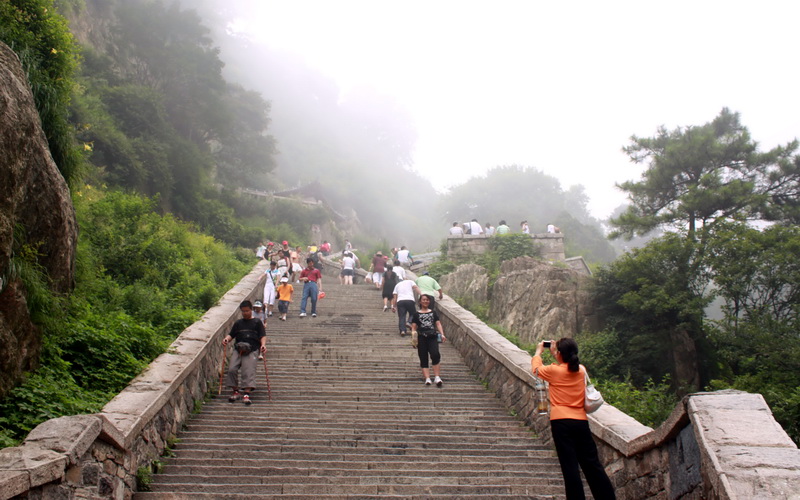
425	323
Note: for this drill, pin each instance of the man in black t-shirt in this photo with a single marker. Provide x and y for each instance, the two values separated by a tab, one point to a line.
248	338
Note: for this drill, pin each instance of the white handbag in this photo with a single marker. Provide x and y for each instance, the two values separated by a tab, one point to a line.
593	400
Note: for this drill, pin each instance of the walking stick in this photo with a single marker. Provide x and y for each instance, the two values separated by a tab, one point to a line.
222	369
266	374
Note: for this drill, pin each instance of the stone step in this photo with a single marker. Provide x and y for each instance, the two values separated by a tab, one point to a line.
171	495
359	490
350	418
291	476
386	446
352	468
264	454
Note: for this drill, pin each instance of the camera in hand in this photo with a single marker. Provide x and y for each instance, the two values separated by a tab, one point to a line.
546	343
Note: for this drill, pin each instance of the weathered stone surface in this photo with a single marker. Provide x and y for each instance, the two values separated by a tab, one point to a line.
69	435
469	283
537	300
737	418
41	465
35	197
13	483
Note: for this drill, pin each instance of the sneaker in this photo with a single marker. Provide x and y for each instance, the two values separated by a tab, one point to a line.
402	334
302	315
246	399
427	381
282	318
385	308
438	381
408	325
260	357
313	315
269	314
234	397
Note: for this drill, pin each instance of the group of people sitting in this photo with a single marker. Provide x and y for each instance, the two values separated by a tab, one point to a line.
474	227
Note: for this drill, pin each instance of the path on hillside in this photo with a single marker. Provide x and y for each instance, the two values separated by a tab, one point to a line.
351	418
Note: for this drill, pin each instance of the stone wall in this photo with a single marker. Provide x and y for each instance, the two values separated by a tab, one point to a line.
550	246
98	456
720	445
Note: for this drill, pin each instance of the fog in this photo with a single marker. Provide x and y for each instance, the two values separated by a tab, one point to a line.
414	98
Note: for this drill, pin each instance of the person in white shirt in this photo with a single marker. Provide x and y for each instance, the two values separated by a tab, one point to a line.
348	268
456	230
404	304
475	227
524	228
489	231
404	256
398	270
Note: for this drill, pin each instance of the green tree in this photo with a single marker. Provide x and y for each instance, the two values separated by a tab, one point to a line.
698	175
757	274
654	298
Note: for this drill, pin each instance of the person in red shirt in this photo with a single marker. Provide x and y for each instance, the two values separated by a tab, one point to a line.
312	285
377	268
568	421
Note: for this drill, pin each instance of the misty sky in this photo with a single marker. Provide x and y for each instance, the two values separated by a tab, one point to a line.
559	86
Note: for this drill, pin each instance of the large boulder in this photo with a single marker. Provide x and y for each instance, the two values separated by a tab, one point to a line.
468	284
36	199
538	300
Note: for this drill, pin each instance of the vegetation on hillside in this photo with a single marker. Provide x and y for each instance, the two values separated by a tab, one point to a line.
141	279
42	41
705	185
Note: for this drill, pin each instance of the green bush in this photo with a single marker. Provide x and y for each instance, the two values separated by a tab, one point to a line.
141	278
650	405
513	245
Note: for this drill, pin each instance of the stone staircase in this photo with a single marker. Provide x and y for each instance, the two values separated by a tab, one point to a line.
351	418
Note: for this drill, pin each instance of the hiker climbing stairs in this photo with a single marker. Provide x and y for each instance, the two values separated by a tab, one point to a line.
350	417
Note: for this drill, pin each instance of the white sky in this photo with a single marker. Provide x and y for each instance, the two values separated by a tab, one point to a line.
559	86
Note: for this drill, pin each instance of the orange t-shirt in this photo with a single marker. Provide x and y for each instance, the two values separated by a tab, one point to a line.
567	389
285	292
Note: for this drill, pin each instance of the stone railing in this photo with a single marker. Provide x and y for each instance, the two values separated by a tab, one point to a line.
467	246
720	445
100	455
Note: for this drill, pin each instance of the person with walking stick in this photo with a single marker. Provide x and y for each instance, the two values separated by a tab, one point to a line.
249	338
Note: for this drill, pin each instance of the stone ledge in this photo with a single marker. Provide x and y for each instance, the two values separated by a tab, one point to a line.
13	482
37	464
72	435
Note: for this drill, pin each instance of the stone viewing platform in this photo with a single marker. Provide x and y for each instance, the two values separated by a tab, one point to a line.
550	246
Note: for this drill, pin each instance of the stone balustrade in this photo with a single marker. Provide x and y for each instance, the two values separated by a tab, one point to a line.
719	445
100	455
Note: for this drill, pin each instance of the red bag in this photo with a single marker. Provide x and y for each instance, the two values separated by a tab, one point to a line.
321	295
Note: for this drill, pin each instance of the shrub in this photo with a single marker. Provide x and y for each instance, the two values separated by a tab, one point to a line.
141	279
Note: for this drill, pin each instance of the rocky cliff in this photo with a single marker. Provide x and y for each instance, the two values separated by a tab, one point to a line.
36	200
533	299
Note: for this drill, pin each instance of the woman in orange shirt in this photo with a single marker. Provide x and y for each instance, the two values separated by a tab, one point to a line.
568	422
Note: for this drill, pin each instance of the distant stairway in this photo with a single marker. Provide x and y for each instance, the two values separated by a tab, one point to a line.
351	418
